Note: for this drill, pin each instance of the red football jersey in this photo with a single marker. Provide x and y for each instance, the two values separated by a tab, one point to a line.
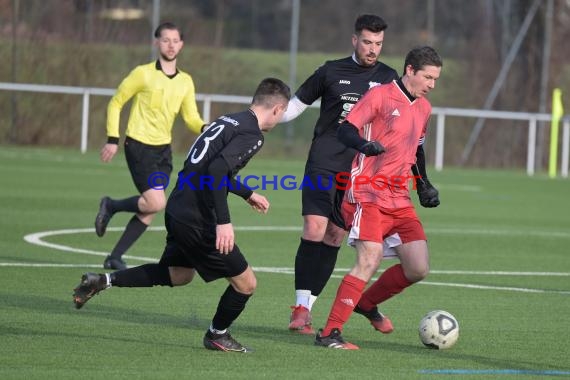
386	114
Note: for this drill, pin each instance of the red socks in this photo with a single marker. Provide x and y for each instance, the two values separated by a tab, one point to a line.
390	283
347	297
349	294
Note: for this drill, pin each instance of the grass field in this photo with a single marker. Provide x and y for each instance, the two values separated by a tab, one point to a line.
499	256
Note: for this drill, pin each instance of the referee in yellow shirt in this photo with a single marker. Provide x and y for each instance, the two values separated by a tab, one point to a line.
159	91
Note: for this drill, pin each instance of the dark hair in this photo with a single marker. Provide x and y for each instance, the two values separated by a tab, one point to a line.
169	26
373	23
269	91
422	56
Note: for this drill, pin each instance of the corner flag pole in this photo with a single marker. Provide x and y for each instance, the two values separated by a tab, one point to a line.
557	113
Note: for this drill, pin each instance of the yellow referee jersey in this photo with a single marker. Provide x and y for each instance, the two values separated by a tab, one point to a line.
157	101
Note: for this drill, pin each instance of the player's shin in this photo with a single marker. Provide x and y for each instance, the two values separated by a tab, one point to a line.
391	282
306	265
231	304
328	256
135	228
145	275
347	297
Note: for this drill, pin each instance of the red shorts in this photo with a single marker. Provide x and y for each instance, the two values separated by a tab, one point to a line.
370	222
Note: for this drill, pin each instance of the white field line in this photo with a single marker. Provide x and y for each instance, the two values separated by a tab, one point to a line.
462	272
37	239
489	287
49	265
485	287
291	271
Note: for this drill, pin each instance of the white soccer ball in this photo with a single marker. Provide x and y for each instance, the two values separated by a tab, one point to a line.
439	329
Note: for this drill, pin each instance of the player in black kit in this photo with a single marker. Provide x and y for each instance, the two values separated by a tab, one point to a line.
339	84
200	236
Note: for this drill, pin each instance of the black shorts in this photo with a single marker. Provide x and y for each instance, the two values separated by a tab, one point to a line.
145	161
191	247
323	198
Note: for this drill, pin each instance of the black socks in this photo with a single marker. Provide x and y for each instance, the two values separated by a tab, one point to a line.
314	264
230	307
327	262
128	204
135	228
306	263
145	275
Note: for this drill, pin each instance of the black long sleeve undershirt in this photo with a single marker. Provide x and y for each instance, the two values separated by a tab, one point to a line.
419	168
348	135
239	189
219	170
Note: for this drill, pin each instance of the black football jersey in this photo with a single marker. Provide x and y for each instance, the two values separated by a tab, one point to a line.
236	138
339	84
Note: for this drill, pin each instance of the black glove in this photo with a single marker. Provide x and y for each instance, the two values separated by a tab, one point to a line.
429	196
371	148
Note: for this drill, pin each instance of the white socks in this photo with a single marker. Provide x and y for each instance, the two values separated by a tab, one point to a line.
108	278
312	300
305	298
217	332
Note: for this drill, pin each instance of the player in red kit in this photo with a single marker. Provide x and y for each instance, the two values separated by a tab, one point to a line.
339	84
385	127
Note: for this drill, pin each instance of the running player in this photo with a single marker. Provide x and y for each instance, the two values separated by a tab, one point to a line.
384	127
200	235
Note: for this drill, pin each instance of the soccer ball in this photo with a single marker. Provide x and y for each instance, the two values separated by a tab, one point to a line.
439	329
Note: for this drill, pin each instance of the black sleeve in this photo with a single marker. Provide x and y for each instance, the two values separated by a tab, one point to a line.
219	170
348	135
314	86
239	189
419	168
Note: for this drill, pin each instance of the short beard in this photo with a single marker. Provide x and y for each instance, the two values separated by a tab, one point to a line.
166	58
364	63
